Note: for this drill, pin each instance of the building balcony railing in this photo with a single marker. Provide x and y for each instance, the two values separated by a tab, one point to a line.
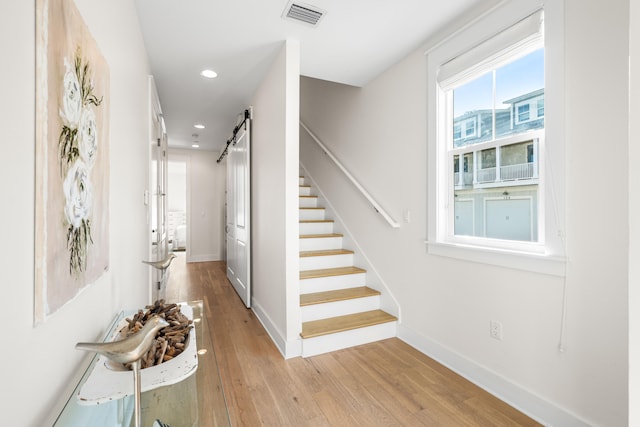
467	178
522	171
486	175
514	172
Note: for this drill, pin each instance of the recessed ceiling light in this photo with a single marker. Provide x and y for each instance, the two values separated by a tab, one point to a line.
198	126
195	145
210	74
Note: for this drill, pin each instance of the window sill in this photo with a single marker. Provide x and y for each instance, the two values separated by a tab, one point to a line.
536	263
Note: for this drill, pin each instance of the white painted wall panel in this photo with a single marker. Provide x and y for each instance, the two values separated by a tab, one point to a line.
634	219
379	133
33	401
275	189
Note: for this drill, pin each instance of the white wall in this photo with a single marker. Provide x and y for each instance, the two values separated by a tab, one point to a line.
274	200
177	185
379	133
206	183
634	218
39	372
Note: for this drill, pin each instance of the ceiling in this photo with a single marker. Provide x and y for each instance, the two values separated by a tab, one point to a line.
354	42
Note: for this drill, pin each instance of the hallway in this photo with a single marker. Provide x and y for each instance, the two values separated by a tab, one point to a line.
387	383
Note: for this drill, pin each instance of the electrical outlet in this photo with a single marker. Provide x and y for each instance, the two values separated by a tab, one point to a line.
495	330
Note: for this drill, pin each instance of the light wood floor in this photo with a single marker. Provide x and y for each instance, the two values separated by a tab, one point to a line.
381	384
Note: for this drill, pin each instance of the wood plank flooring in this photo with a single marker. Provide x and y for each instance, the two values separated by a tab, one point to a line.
387	383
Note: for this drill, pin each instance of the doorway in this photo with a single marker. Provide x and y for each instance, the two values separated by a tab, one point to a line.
177	204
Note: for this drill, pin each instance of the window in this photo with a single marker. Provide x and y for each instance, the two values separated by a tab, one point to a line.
523	113
504	178
457	132
495	206
470	130
540	107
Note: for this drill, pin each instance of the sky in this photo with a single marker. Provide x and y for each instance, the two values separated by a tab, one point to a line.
517	78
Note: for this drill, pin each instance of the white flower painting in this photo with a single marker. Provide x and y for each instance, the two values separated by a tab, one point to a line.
72	157
77	193
78	147
88	136
72	98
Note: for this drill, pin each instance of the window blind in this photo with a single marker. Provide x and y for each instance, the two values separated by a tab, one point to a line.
521	39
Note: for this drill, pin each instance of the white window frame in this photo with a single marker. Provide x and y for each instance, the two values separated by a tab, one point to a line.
468	124
518	113
547	255
459	130
533	109
537	101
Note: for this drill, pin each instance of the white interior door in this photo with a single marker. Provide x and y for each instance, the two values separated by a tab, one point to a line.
158	190
239	213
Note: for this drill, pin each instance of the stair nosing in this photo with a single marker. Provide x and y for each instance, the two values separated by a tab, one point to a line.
320	236
381	318
325	252
330	272
337	295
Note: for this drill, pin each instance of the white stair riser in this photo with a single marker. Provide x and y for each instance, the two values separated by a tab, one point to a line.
308	202
339	308
305	191
301	180
320	243
346	339
316	228
332	283
309	214
325	261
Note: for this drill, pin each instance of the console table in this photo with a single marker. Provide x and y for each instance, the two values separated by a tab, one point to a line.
196	401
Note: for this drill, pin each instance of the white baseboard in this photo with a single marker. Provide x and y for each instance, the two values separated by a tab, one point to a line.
203	258
288	349
534	406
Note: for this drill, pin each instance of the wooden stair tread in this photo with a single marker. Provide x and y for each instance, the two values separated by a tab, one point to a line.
320	236
311	221
337	295
345	323
318	208
329	272
326	252
308	197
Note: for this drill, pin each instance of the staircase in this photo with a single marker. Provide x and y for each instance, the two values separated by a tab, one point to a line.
337	309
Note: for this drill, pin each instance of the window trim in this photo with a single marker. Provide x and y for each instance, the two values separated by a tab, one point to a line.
547	257
538	108
519	113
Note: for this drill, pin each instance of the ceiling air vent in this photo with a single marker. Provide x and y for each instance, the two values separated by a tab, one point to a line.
305	13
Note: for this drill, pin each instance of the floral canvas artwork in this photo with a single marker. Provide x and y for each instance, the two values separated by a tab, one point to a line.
72	157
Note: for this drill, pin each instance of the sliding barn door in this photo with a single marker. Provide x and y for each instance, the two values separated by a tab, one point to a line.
239	213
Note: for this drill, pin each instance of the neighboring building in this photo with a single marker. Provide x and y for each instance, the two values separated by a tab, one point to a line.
502	181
